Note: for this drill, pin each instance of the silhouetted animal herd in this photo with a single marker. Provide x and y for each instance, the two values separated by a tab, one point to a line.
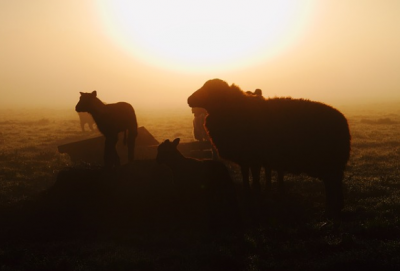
282	134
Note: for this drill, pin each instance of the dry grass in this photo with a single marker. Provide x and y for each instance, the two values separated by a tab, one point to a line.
280	233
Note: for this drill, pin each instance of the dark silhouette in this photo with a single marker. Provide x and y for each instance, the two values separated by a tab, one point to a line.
86	118
208	181
91	150
255	168
288	135
111	119
257	92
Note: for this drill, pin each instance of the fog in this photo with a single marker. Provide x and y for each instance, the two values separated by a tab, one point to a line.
52	50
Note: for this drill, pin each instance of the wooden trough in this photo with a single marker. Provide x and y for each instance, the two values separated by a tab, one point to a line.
91	150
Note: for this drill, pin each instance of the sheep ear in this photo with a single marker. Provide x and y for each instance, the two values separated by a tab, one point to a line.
176	141
94	93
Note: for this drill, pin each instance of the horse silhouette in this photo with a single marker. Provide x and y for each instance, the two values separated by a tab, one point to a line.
111	119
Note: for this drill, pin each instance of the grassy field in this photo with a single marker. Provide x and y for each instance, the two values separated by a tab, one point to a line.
57	215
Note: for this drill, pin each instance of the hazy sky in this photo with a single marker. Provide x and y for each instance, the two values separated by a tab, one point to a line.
50	50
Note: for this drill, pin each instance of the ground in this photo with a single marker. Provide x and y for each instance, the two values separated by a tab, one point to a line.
59	215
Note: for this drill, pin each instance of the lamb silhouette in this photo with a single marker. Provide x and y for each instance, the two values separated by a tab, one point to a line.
207	180
288	135
111	119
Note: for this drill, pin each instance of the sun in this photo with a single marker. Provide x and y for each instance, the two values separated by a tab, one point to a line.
205	35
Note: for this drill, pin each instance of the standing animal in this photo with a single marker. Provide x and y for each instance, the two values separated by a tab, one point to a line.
86	118
288	135
206	181
111	119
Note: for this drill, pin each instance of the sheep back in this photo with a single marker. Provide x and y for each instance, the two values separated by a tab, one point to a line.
292	135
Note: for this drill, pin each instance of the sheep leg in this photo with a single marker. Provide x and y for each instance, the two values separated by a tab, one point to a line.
214	151
111	157
334	195
116	159
281	185
131	145
245	177
255	173
268	178
82	126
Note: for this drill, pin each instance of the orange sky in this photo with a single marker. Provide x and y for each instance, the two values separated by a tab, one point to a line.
52	50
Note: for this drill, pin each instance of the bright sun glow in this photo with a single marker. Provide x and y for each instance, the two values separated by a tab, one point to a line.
208	34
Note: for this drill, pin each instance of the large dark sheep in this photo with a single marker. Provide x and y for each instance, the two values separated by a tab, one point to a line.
205	185
288	135
111	119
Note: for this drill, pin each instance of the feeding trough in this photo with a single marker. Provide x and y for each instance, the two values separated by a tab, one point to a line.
91	150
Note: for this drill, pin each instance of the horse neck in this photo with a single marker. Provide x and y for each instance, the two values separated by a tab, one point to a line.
97	108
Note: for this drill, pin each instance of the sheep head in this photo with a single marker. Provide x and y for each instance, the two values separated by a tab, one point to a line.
212	95
167	151
86	101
